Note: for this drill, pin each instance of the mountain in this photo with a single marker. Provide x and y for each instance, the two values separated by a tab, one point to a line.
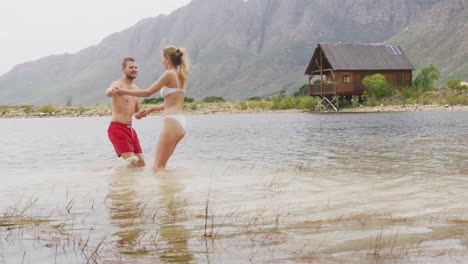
239	49
440	37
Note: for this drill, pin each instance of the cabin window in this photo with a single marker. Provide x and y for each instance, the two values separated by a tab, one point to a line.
346	79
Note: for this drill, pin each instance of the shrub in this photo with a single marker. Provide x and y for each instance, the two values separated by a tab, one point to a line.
457	99
27	109
48	109
154	100
454	84
192	106
377	87
306	102
287	103
426	77
213	99
243	105
255	98
303	91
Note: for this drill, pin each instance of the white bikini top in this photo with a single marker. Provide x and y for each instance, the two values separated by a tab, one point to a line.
165	91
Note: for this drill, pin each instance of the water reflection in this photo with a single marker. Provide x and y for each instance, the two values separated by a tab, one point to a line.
172	231
125	208
127	214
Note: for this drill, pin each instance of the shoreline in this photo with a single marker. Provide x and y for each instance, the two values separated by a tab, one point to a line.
105	110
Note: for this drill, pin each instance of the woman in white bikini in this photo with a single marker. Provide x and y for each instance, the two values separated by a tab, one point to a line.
172	84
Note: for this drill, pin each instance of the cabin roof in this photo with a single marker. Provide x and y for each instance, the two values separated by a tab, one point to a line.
354	57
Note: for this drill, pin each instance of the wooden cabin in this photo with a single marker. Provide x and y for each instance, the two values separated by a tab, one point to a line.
342	67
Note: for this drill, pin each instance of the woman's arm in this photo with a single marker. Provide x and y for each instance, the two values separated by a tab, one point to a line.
155	108
110	90
145	112
156	86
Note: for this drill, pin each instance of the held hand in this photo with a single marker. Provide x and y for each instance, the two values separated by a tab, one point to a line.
116	90
140	114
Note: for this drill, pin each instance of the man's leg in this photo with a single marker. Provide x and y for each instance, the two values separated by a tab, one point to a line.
133	160
141	160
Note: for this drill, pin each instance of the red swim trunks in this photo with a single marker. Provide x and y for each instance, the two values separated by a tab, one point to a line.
124	138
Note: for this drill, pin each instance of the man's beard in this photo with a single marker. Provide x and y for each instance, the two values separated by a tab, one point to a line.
130	77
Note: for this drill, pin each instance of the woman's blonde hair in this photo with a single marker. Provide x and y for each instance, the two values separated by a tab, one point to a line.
179	58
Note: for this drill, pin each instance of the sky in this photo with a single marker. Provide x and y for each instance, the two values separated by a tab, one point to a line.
32	29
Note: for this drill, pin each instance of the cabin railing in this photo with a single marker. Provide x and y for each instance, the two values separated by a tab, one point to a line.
355	88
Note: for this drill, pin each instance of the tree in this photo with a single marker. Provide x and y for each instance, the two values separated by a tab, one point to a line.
426	77
303	91
376	86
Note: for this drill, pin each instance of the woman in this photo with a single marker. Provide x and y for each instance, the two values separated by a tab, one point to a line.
172	84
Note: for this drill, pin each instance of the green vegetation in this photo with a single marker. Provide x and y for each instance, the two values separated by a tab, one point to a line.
423	91
303	91
255	98
379	92
159	100
27	108
153	100
377	87
213	99
455	84
48	109
426	77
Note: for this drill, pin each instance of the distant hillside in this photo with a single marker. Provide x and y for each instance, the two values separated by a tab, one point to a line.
440	37
238	48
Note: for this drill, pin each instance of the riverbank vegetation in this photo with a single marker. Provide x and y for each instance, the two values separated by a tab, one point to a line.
378	93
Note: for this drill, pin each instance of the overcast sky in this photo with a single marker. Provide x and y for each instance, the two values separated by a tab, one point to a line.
32	29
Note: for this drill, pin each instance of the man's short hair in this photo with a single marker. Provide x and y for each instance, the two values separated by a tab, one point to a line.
124	62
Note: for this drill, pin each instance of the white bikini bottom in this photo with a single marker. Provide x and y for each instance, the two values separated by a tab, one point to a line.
180	119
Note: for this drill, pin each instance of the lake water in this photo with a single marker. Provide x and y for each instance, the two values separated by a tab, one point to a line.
259	188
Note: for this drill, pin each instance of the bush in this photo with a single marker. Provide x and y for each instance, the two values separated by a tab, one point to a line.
259	104
255	98
458	99
28	109
154	100
303	91
377	87
192	106
306	102
284	102
426	77
243	105
454	84
48	109
213	99
188	100
4	109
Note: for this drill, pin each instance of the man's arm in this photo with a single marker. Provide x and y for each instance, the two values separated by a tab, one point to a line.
156	86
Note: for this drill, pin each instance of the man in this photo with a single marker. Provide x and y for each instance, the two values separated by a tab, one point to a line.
120	131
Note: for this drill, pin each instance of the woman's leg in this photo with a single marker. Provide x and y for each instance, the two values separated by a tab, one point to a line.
170	135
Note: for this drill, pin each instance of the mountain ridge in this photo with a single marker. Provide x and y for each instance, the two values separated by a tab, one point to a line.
238	49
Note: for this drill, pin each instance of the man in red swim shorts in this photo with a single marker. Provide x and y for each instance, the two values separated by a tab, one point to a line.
120	131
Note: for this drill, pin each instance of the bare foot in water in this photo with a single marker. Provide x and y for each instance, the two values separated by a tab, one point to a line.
132	162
